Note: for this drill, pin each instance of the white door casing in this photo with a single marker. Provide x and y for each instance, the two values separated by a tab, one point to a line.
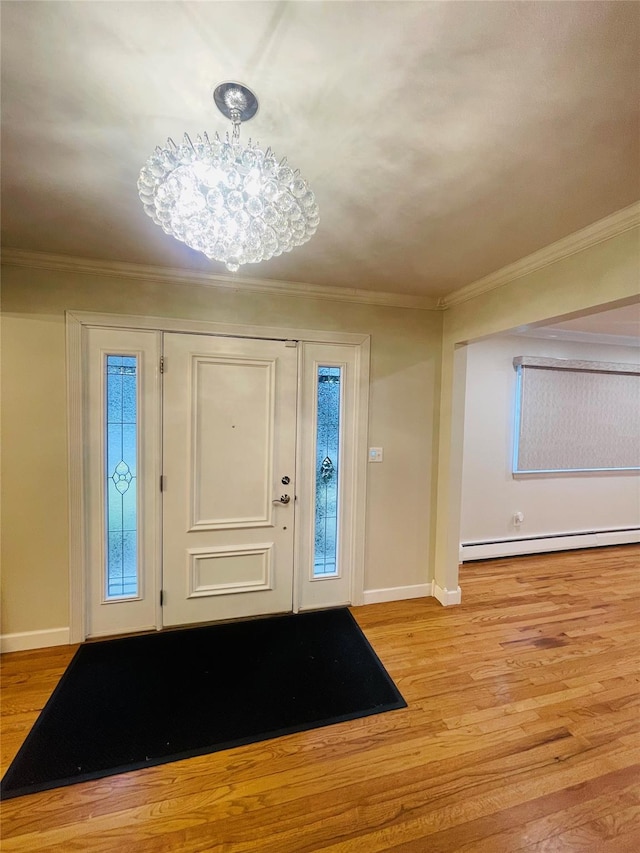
229	439
142	335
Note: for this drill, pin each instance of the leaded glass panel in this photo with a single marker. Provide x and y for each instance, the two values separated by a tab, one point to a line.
121	430
327	471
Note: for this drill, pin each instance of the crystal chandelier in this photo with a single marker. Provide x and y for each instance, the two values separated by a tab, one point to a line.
236	204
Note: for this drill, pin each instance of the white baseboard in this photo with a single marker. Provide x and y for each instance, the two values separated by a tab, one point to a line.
447	597
565	542
397	593
33	640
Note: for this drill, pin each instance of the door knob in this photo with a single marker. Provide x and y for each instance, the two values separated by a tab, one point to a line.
284	499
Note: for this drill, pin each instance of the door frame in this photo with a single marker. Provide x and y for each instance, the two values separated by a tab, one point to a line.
77	322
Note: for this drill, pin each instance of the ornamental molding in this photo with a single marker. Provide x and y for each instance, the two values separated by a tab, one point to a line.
598	232
238	283
605	229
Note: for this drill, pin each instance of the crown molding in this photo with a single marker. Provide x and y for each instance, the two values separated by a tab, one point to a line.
605	229
617	223
169	275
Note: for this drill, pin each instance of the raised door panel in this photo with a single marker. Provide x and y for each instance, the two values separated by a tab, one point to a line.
231	438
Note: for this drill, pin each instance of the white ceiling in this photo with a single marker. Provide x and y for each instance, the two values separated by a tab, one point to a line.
615	326
443	140
623	321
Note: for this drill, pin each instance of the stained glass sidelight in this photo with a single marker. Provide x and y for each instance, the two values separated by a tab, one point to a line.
327	472
120	477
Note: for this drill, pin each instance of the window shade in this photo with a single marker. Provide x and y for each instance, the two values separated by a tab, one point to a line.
576	416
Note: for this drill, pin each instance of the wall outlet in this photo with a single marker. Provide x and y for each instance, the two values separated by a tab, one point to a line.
518	518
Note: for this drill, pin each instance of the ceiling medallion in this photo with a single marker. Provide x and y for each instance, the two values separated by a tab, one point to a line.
236	204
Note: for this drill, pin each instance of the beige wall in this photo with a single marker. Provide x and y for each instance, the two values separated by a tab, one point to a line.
416	411
405	354
599	275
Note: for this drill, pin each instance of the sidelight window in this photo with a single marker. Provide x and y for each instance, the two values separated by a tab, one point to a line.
325	563
120	477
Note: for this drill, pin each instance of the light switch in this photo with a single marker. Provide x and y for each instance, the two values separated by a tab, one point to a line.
375	454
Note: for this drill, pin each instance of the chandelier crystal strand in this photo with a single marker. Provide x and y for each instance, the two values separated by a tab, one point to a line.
236	204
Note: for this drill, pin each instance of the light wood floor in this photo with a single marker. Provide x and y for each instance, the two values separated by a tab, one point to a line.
522	733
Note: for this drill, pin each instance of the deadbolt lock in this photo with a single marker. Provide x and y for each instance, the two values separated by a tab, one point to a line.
285	481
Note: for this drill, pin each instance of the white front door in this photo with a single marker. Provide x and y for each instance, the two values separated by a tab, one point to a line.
229	449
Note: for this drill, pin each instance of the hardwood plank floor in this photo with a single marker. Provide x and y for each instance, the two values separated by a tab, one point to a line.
522	733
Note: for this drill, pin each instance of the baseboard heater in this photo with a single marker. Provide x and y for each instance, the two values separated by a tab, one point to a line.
547	542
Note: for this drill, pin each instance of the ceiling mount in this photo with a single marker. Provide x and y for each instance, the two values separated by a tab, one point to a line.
235	101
